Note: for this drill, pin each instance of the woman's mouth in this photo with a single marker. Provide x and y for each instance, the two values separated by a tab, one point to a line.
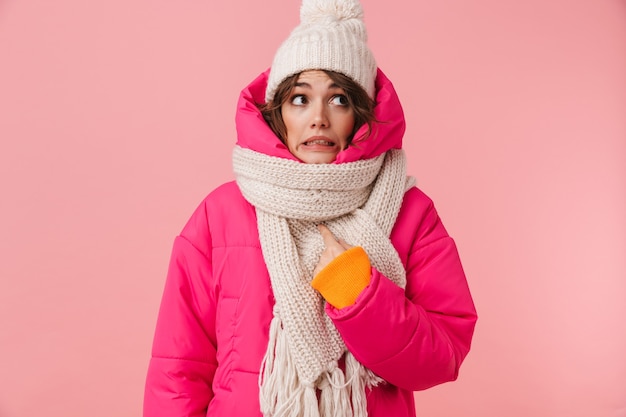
319	141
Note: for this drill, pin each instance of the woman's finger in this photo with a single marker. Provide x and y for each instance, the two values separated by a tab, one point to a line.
327	236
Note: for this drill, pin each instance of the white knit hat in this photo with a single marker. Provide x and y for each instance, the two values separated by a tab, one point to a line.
331	36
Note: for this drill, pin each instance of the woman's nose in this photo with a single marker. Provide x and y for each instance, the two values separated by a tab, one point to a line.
320	116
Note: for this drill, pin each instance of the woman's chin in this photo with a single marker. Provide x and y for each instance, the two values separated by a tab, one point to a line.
317	157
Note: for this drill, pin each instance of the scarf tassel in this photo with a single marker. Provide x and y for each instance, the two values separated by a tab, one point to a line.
359	378
281	393
341	393
311	407
278	375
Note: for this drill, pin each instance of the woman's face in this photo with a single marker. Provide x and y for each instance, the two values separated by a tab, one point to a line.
318	118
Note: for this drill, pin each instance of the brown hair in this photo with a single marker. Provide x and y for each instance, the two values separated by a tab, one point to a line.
359	101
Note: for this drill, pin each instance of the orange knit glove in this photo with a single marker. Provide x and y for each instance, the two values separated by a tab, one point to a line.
344	278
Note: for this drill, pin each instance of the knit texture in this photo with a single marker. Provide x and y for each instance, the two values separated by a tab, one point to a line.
344	278
359	202
331	36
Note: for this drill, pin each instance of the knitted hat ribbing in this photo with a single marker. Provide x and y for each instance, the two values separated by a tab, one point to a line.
331	36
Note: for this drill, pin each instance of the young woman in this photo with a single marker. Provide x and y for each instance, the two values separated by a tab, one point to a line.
322	281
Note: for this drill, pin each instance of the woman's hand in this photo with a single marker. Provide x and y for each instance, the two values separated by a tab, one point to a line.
332	248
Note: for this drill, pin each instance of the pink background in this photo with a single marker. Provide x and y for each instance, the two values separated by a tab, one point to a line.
116	118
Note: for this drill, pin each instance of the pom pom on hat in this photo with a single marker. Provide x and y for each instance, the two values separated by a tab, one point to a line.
324	11
331	36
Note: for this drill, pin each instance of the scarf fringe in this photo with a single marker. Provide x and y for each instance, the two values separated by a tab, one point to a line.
282	394
278	374
341	396
360	377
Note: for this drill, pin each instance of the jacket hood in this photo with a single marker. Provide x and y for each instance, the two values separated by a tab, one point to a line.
254	133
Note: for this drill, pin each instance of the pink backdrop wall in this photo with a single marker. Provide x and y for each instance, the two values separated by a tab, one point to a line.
116	118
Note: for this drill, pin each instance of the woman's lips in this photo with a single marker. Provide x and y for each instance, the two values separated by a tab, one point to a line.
319	141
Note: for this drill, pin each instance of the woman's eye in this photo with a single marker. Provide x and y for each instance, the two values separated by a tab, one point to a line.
298	100
340	100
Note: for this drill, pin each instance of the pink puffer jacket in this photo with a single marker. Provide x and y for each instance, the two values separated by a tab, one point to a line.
212	329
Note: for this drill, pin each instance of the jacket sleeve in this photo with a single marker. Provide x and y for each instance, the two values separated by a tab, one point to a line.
416	337
183	360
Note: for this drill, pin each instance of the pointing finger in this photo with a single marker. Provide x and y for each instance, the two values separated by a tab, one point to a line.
327	235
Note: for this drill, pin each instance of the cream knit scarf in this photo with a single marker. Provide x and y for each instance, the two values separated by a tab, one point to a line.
359	202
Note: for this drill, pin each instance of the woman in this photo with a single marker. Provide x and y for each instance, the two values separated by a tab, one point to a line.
321	282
